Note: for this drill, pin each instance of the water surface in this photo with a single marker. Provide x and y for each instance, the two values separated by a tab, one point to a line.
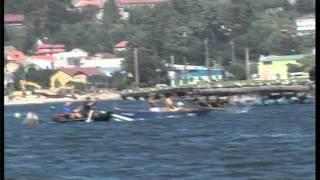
266	142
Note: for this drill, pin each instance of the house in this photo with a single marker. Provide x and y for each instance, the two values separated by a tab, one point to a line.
80	4
124	14
15	56
49	49
82	75
188	74
42	62
70	59
13	19
275	67
124	4
105	62
121	46
306	25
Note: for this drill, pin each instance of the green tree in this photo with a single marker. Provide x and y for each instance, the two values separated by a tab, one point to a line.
305	6
294	68
238	70
111	13
148	63
57	83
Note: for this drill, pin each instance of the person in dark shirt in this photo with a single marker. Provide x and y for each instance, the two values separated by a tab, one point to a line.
87	106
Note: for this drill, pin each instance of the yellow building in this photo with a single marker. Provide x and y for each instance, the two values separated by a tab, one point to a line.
275	67
64	75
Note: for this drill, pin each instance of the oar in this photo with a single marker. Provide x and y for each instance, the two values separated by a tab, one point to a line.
89	116
122	117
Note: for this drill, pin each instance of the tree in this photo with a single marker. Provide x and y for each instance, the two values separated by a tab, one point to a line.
57	83
238	70
305	6
148	62
111	13
294	68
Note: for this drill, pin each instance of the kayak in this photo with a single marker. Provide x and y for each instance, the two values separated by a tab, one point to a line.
161	113
101	116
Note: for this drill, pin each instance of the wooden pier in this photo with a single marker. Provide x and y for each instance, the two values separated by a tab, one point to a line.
223	96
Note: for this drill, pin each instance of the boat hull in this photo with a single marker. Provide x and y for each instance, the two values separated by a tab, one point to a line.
144	114
60	117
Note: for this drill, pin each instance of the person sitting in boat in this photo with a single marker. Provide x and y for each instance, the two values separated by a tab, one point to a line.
169	103
31	118
67	110
87	106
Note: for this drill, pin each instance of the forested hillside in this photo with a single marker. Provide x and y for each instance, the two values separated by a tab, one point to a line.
176	28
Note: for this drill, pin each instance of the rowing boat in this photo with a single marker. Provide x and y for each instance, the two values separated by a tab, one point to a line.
161	113
100	116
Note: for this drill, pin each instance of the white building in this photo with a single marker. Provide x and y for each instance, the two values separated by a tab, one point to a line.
42	62
305	25
106	62
69	59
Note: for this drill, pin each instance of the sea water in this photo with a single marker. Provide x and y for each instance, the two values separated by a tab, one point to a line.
263	142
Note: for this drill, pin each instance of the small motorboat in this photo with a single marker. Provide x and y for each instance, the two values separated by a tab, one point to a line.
161	113
97	116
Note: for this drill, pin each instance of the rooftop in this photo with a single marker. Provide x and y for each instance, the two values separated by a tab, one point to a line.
44	58
13	18
129	2
84	3
281	58
86	71
121	44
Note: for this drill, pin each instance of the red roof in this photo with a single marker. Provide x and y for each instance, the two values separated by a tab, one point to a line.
121	44
57	50
86	71
13	18
44	58
43	51
83	3
130	2
50	46
15	56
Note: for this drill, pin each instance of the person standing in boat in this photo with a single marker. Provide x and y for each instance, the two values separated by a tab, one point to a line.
87	107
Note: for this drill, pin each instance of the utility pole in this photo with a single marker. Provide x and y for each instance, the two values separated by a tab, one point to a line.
207	61
233	57
184	81
247	63
136	67
171	61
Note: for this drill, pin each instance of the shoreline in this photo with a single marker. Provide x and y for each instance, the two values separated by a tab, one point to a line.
33	99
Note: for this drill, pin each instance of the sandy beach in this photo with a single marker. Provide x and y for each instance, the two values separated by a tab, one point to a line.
35	99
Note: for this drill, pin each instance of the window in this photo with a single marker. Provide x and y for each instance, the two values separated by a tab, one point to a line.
267	62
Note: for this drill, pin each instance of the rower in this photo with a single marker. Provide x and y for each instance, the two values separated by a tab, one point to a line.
152	105
68	112
87	107
169	103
